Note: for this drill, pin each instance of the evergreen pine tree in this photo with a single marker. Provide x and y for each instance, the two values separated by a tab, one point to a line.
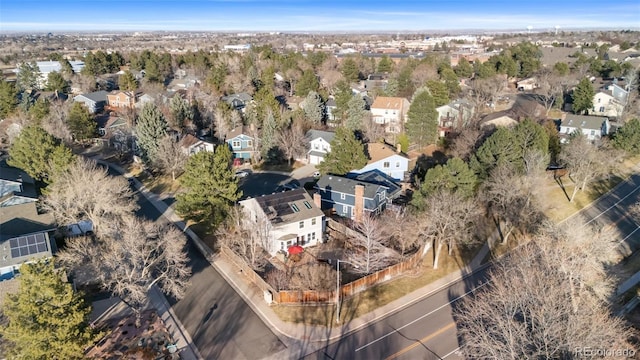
80	122
347	154
307	83
39	154
454	176
269	136
350	70
422	123
583	96
501	147
127	81
627	137
211	186
356	113
47	319
180	112
57	82
313	108
8	98
150	129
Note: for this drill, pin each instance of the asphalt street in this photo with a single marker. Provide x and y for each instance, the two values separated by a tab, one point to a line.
427	329
219	321
423	330
613	210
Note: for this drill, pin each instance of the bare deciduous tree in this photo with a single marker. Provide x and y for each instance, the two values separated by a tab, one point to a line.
133	257
466	142
313	276
550	88
221	124
87	192
484	91
249	238
279	279
448	220
56	123
542	301
583	161
398	231
171	157
367	252
292	142
511	198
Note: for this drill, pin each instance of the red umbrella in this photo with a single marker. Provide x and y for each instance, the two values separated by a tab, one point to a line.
295	249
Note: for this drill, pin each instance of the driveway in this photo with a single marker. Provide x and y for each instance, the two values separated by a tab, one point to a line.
261	183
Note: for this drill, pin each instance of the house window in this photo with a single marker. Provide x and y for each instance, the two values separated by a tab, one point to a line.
398	164
343	196
601	108
283	245
289	243
345	209
301	224
235	143
598	100
307	205
316	146
249	143
313	235
593	132
313	221
386	164
295	208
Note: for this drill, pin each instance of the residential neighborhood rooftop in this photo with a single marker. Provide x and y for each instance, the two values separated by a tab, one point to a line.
391	103
378	151
583	121
346	185
325	135
288	206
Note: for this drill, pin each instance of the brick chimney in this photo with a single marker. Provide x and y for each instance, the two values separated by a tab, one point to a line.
398	148
317	199
358	208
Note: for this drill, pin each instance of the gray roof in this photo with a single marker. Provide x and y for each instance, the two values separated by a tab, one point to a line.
379	178
288	206
331	102
317	153
22	219
345	185
96	96
583	121
325	135
23	248
14	174
245	97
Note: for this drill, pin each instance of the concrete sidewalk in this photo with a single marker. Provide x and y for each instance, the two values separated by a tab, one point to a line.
300	339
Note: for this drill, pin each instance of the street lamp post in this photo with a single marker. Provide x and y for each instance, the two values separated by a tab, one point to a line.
338	286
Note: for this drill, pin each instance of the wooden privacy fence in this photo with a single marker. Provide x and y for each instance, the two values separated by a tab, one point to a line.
313	296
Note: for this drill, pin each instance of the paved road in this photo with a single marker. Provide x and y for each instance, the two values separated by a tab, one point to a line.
423	330
427	330
613	210
220	323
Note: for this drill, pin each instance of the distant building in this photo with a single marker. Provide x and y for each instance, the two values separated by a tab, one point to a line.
390	112
46	67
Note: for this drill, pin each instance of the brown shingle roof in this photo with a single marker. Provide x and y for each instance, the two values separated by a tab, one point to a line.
379	151
391	103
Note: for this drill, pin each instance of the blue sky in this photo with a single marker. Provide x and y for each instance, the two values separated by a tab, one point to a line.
303	15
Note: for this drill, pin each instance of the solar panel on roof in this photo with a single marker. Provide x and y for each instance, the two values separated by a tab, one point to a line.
28	245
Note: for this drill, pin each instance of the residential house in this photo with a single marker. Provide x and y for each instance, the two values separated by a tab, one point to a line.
353	197
319	145
376	82
243	146
94	101
238	101
24	236
121	99
144	99
455	113
390	112
604	104
116	132
593	127
386	159
192	145
287	218
330	108
15	251
498	119
527	84
16	187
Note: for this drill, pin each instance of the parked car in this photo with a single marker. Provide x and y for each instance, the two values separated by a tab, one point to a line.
242	173
316	174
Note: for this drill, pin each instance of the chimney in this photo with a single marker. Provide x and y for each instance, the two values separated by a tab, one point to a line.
358	208
317	199
398	148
